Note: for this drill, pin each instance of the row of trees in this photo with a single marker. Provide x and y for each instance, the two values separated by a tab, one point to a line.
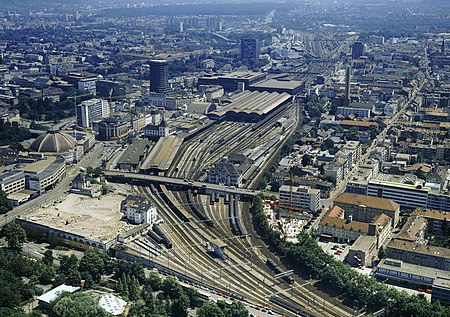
307	256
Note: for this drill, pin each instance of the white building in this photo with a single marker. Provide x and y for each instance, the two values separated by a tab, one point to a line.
157	130
90	110
303	197
139	210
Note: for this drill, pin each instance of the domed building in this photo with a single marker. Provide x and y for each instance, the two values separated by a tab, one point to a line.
55	143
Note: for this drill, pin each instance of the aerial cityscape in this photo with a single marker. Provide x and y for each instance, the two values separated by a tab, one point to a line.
225	159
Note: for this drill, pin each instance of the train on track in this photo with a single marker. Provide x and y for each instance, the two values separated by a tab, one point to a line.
274	267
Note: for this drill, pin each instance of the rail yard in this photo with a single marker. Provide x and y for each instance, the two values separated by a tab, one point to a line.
197	215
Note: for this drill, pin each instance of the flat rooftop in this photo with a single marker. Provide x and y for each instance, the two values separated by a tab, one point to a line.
363	243
419	248
278	83
38	166
98	219
413	269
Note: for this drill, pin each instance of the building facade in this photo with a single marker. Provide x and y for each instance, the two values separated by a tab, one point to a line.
159	76
90	110
364	208
249	49
139	210
12	181
303	198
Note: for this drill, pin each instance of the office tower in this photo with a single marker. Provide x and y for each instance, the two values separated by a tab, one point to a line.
357	50
249	49
443	47
159	75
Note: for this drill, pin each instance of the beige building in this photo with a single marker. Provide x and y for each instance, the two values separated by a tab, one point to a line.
340	228
303	198
365	208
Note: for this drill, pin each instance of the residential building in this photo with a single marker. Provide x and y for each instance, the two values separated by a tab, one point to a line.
303	198
110	89
154	99
207	63
408	191
413	230
91	110
364	208
435	219
139	210
336	170
420	254
359	112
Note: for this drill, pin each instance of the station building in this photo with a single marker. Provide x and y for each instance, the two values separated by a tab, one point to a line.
251	106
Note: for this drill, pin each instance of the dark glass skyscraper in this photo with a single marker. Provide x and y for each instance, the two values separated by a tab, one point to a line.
357	50
159	75
249	49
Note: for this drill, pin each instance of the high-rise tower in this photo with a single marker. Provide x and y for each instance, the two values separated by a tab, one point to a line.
357	50
249	49
159	76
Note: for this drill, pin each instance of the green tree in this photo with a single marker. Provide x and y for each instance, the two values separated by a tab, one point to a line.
15	236
48	257
210	309
5	204
306	160
327	144
381	253
238	309
91	263
352	134
77	305
180	306
68	264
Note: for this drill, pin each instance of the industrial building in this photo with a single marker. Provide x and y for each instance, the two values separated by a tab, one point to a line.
291	87
133	157
251	106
